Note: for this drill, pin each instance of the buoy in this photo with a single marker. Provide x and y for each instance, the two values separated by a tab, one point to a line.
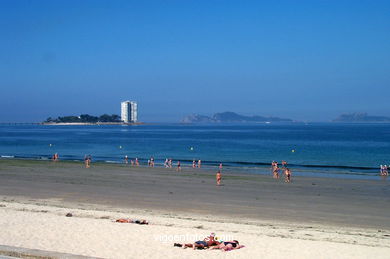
191	148
50	145
120	146
293	150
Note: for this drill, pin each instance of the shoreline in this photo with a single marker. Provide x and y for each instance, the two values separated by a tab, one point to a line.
256	168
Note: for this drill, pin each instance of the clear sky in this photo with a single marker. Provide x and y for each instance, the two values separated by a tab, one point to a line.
305	60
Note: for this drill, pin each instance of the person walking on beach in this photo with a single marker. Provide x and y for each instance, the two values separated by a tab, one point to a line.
178	166
287	173
385	171
55	157
136	161
126	159
87	161
218	177
193	164
275	170
152	162
199	163
220	166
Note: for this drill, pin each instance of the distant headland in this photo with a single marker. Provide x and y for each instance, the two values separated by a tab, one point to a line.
231	117
361	118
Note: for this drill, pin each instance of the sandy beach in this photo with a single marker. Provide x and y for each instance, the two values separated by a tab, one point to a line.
309	218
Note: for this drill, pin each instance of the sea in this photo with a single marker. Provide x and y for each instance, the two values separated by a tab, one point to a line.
310	149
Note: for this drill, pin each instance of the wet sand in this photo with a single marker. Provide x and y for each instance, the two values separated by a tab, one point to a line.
323	201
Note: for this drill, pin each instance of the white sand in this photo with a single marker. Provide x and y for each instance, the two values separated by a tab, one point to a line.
92	232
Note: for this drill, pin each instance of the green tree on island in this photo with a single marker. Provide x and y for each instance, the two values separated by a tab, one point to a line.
85	118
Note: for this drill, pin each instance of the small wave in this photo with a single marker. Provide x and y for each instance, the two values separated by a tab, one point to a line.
111	162
7	156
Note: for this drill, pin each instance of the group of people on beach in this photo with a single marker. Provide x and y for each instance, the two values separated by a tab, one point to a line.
196	165
168	163
384	170
286	171
132	162
210	242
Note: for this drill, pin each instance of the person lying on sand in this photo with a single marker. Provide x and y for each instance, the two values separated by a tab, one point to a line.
136	221
201	244
228	245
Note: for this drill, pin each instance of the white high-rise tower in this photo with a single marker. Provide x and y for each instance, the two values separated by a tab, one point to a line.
129	111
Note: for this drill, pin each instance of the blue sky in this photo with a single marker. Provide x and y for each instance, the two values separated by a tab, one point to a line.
305	60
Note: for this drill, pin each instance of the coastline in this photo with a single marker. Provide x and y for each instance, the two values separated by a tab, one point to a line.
311	217
256	168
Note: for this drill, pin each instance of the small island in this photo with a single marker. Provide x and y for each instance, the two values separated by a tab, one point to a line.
231	117
86	119
361	118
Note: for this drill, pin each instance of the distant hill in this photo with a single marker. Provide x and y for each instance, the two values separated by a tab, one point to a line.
230	117
361	118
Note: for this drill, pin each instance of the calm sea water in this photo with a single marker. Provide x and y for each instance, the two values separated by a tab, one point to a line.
335	150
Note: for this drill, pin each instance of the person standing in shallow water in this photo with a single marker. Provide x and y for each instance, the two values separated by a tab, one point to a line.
284	164
178	166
